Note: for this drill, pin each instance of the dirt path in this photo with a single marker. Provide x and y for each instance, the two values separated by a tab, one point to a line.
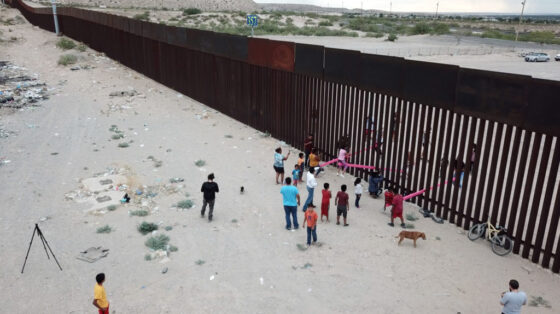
252	264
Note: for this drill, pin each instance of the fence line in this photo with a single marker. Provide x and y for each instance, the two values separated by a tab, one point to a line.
480	127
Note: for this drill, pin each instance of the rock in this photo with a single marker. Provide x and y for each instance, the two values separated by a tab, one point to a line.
124	93
102	199
106	181
164	270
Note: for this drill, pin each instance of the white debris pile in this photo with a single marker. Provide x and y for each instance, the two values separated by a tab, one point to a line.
18	89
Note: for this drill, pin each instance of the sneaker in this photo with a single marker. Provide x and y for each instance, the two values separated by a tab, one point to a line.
288	228
342	176
346	225
391	224
403	225
338	222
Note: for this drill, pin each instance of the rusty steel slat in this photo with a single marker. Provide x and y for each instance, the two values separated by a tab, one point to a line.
390	102
423	148
405	144
412	161
491	172
527	194
516	192
536	200
438	171
373	105
464	190
444	176
382	131
501	174
352	105
330	114
553	224
474	175
483	167
461	152
359	132
336	118
453	172
430	158
552	236
387	104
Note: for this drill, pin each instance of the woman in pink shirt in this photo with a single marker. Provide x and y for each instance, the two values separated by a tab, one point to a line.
342	161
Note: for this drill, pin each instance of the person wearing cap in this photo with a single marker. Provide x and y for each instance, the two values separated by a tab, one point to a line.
209	190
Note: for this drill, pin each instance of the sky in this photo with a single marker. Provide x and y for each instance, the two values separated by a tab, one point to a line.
471	6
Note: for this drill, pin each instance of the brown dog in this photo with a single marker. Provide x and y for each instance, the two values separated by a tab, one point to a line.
414	235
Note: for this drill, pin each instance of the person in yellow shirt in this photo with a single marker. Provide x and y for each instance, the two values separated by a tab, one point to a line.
99	296
314	161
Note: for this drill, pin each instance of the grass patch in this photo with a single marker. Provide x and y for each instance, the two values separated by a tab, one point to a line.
200	163
104	229
200	262
117	136
139	213
191	11
123	145
173	248
81	47
411	217
148	257
147	227
539	301
438	238
114	128
301	247
228	136
185	204
409	226
65	44
234	221
67	59
159	242
325	23
112	208
142	16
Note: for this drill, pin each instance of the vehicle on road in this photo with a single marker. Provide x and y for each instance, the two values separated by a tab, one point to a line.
557	58
537	57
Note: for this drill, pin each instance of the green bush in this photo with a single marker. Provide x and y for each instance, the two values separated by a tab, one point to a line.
65	44
439	29
540	37
325	23
186	204
142	16
104	229
112	207
191	11
123	145
392	37
81	47
420	28
67	59
139	213
159	242
146	227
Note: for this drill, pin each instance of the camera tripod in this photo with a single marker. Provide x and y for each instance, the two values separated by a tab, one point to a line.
45	245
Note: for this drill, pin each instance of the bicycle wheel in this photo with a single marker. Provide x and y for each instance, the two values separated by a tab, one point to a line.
502	244
476	232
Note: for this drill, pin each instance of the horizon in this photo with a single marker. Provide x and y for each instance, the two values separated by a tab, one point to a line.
507	7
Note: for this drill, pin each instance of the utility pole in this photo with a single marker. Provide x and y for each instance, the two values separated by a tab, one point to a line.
362	8
520	19
437	9
391	8
55	18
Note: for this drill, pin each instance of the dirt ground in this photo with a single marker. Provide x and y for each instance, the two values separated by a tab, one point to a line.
251	263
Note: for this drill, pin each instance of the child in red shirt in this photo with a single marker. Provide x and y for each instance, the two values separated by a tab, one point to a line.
311	221
388	199
341	202
397	210
325	202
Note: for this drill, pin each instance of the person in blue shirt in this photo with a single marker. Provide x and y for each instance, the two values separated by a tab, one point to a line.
279	164
296	174
290	195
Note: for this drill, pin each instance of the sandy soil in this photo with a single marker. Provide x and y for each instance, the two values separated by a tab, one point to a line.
252	264
468	52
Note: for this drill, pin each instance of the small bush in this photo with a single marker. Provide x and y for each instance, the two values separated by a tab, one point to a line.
538	301
438	238
147	257
168	228
173	248
143	16
191	11
146	227
123	145
81	47
409	226
139	213
420	28
325	23
200	262
234	221
229	136
104	229
65	44
200	163
185	204
112	208
67	59
158	242
392	37
117	136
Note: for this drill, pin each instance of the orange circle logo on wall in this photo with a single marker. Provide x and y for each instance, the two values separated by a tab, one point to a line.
283	57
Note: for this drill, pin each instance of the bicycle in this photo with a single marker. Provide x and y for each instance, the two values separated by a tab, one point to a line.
502	244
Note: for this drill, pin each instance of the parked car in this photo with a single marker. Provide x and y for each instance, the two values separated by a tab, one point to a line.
524	54
557	58
537	57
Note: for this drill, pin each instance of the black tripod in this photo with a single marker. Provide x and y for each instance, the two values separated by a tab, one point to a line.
45	245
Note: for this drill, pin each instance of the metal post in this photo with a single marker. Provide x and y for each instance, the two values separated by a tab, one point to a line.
520	19
55	18
252	31
437	9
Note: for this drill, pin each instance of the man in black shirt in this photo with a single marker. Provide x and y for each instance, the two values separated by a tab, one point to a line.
209	190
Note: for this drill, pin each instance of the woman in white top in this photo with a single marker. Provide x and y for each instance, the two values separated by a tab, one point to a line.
342	161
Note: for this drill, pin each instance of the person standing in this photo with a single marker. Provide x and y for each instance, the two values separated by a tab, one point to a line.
358	190
209	190
513	300
341	203
326	200
290	198
397	210
307	146
279	164
342	165
311	184
310	219
99	295
314	161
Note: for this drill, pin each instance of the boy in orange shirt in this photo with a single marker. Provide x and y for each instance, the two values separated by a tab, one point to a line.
99	296
311	221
